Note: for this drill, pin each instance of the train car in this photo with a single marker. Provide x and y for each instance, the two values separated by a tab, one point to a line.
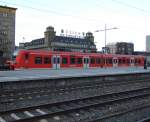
56	60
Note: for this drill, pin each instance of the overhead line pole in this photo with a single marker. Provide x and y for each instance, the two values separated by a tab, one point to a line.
105	29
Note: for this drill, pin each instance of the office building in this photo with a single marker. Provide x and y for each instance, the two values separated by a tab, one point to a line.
148	43
121	48
7	31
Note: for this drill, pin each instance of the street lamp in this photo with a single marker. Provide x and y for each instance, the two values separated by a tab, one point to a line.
105	29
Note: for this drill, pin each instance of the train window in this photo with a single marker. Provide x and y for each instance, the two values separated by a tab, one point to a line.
88	60
58	60
98	60
54	60
110	61
26	56
72	60
139	61
38	60
136	61
47	60
84	60
123	61
92	61
115	61
79	60
64	61
120	61
102	60
128	61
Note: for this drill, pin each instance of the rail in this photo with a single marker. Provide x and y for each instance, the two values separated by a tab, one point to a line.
105	102
92	100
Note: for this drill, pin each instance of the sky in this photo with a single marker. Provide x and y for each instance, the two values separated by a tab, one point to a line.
131	17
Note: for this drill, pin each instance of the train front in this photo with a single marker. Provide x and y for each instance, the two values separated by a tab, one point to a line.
15	62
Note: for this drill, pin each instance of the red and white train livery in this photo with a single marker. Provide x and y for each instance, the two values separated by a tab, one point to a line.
57	60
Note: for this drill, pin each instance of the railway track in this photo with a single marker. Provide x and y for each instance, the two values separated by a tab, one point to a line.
74	101
145	120
94	108
22	99
34	91
70	82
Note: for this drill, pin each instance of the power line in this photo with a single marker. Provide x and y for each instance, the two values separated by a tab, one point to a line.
131	6
60	13
53	12
37	9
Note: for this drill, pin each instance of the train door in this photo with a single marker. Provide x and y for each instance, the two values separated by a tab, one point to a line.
132	61
115	62
56	61
86	62
26	59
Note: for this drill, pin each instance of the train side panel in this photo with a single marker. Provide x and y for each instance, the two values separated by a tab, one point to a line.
56	60
39	61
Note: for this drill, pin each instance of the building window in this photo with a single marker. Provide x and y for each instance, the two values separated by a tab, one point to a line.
64	61
47	60
5	14
38	60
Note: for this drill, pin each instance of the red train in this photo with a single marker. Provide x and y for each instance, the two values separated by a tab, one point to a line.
57	60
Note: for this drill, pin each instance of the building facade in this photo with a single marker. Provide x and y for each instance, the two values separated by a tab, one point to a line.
148	43
61	43
7	31
121	48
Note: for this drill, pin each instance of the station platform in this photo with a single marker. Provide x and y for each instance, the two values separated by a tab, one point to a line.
33	74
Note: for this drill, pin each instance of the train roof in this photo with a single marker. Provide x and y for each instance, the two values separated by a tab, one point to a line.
76	53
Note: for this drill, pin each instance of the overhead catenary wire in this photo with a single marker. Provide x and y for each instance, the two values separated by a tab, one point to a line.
96	20
53	12
131	6
48	11
37	9
74	16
